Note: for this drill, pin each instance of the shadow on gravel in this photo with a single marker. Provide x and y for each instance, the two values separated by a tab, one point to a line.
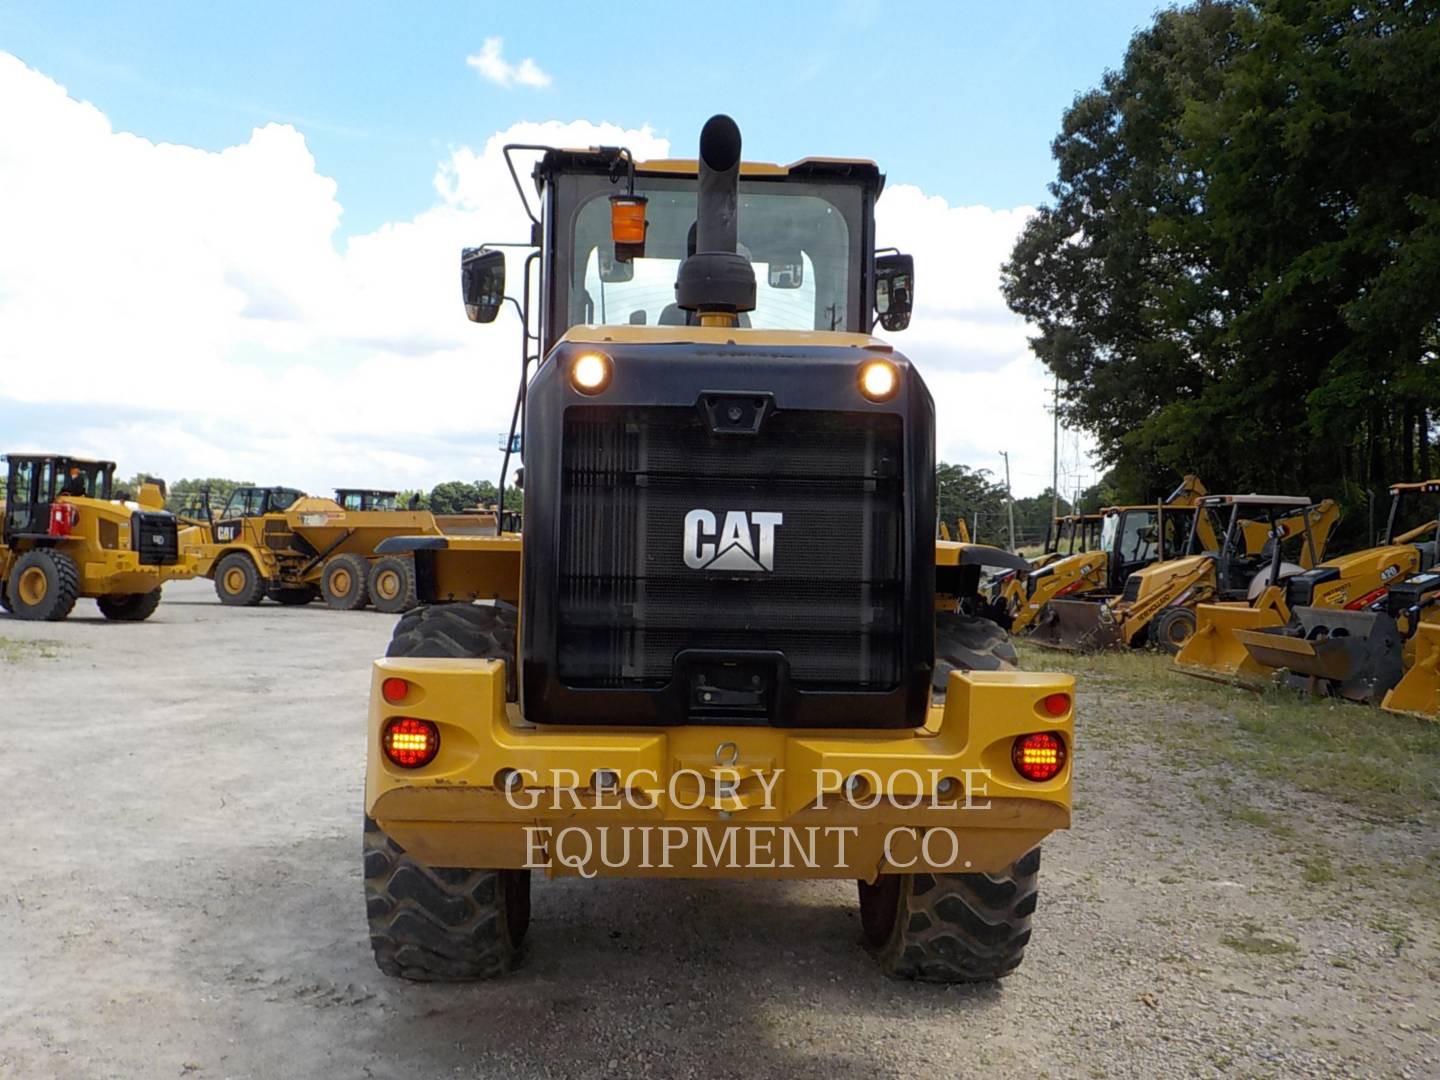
663	978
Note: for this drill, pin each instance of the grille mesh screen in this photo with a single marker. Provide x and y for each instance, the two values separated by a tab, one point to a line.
628	602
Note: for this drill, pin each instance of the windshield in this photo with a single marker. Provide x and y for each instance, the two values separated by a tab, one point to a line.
804	241
1135	531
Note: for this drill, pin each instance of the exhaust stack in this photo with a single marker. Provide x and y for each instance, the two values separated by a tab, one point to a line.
717	281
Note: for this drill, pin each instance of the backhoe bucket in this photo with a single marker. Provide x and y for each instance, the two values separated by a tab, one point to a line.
1354	654
1216	650
1418	693
1077	626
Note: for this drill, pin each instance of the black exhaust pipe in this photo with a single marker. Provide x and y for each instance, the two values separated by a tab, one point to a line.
717	280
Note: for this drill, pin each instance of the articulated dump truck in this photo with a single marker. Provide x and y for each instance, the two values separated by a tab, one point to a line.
1364	627
722	646
68	533
280	543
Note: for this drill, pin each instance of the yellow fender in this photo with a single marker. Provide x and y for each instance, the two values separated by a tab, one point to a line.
1418	693
1214	648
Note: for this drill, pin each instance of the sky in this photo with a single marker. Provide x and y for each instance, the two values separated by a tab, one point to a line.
228	236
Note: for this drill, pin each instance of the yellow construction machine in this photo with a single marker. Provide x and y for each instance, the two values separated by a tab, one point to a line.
68	534
1259	541
1130	539
1348	594
281	543
1069	534
1354	625
722	655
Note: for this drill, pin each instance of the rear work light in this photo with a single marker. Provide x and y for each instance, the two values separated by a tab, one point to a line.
1039	757
410	743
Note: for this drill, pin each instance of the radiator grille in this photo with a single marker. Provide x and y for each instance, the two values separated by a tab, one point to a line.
832	599
155	538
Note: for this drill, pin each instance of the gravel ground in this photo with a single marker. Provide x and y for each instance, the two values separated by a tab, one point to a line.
182	828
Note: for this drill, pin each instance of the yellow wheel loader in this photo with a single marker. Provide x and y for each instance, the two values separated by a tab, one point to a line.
280	543
1260	540
1355	624
68	534
722	656
1130	538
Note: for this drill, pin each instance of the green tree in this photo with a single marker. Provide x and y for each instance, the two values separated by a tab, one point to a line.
974	495
453	496
1240	271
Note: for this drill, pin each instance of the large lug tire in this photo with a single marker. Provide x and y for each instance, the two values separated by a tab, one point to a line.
392	584
238	582
951	928
5	595
344	583
439	924
969	643
1172	628
297	597
129	607
44	585
476	631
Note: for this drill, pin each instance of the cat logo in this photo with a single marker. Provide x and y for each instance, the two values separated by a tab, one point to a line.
734	547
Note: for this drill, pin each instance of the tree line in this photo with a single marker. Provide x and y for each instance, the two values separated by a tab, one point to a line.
448	497
1239	271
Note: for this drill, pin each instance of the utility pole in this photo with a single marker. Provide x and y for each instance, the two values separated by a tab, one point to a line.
1009	498
1055	458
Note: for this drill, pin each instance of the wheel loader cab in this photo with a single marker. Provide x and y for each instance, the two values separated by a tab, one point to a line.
729	583
34	482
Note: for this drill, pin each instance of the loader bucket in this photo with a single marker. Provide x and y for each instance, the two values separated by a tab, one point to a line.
1214	648
1077	626
1355	654
1418	693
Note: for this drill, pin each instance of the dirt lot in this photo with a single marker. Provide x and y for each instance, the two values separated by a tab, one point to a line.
1245	893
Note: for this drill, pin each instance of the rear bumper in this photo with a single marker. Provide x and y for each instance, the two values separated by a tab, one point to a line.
715	801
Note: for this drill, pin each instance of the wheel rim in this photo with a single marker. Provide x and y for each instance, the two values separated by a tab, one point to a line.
387	585
34	585
1179	631
234	580
340	581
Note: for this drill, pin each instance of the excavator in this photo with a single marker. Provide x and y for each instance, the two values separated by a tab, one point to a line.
1247	561
1364	627
1130	539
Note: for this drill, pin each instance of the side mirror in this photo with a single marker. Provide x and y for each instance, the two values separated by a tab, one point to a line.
787	270
482	282
613	268
894	290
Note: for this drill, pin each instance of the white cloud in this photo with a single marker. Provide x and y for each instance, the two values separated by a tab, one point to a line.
187	312
490	62
991	394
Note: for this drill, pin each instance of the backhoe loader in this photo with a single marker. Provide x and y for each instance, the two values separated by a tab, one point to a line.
1354	625
1131	538
1069	534
1158	602
1347	593
734	654
66	535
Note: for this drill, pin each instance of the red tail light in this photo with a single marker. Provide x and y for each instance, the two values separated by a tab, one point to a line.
63	518
1040	756
410	743
394	689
